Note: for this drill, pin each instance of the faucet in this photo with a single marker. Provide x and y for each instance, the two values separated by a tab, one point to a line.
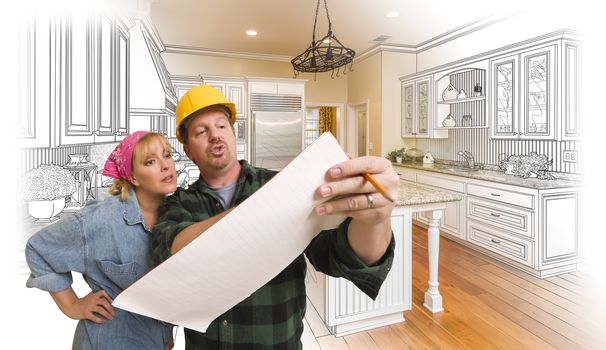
468	158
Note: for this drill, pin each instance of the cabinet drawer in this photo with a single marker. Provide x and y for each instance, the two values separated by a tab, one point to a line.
407	175
505	196
441	182
505	217
500	242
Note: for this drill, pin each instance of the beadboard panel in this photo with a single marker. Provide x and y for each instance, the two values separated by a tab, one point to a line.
486	150
31	158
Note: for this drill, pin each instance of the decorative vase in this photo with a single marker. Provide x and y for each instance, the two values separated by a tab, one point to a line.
399	160
46	211
449	121
450	93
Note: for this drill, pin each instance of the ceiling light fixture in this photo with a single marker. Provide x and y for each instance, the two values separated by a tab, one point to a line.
251	32
325	54
392	14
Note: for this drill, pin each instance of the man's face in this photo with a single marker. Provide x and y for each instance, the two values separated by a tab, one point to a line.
211	142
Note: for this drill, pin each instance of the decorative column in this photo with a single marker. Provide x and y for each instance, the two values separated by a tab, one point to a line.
85	174
433	299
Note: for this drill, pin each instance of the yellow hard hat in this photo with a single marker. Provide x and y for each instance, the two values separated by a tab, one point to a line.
197	98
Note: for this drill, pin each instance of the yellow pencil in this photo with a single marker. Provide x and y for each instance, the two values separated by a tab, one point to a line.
378	186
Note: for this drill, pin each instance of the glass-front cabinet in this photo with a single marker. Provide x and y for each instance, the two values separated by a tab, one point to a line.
537	93
417	109
526	103
504	101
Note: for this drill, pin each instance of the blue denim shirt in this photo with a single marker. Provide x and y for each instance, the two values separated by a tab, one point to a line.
109	244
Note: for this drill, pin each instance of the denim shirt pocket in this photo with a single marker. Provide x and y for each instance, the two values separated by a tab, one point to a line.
123	275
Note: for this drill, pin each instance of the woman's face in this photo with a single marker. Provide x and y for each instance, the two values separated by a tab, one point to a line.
154	168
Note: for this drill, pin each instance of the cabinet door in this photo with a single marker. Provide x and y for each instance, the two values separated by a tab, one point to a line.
571	108
235	94
424	107
537	93
122	85
407	109
105	109
75	67
34	108
503	98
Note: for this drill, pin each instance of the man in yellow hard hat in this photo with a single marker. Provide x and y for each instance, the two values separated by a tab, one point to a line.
361	249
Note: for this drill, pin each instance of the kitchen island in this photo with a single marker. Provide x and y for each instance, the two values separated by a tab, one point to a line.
344	309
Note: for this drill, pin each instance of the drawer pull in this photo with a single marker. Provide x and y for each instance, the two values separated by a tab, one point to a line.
495	194
495	215
495	241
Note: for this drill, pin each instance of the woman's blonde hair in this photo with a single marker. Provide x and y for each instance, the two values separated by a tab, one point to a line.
122	186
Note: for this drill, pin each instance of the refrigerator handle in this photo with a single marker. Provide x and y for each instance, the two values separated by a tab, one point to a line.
253	161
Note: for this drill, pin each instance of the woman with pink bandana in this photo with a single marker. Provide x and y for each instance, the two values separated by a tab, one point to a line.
108	242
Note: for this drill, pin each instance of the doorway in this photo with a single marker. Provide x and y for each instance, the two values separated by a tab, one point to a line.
357	129
320	117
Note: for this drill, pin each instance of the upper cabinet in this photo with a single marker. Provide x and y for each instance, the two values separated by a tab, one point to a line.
77	74
91	63
534	93
417	109
461	97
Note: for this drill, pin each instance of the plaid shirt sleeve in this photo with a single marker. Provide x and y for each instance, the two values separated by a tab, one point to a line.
174	217
331	254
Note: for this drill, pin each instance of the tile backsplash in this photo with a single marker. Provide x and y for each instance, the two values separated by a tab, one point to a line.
486	150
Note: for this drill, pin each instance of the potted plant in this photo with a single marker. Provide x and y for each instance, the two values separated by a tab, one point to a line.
45	189
397	156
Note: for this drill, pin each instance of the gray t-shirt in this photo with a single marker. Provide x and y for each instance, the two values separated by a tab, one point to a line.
226	193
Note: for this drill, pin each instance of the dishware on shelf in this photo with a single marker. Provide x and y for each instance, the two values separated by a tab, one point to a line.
466	120
461	94
450	93
449	121
477	90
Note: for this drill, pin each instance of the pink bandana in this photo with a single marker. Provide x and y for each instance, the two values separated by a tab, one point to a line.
118	164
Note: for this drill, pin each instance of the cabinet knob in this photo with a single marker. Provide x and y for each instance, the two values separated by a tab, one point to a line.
97	132
495	241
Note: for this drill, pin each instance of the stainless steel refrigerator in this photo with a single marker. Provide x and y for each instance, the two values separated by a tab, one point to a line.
277	138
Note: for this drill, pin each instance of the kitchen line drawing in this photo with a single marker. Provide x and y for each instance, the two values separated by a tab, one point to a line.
73	114
91	124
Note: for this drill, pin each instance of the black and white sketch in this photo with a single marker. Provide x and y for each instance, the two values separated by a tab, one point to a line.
470	79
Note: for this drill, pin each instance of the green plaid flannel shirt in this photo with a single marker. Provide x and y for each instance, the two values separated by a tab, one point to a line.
272	317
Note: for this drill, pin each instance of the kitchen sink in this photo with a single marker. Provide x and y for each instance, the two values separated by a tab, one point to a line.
462	170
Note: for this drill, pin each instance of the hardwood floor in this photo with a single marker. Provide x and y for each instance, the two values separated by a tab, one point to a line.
488	305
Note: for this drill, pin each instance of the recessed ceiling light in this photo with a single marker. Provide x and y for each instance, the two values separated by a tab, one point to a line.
251	32
392	14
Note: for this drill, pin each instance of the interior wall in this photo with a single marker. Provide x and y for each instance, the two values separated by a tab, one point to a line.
363	84
393	66
320	88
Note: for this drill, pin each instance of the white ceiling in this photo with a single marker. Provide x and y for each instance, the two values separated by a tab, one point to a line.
285	26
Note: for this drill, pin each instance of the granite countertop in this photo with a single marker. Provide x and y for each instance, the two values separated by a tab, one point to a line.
413	194
495	176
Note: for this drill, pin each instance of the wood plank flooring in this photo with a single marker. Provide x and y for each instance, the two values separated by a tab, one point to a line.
488	305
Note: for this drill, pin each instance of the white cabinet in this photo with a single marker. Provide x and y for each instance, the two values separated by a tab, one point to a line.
94	62
461	97
534	93
277	88
417	109
34	104
454	214
345	309
77	90
537	231
235	91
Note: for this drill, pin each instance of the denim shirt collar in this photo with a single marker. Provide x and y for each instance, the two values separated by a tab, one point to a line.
132	211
